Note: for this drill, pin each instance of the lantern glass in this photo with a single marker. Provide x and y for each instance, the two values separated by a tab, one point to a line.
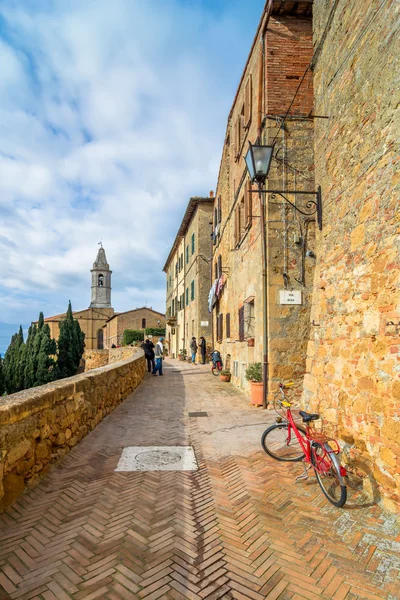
262	156
249	162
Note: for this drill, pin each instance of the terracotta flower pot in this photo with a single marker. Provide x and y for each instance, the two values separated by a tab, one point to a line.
181	357
226	378
256	397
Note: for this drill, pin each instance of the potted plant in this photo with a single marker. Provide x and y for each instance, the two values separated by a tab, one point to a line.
254	375
225	375
182	354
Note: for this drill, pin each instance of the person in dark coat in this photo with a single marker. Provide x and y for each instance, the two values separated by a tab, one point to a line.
148	348
203	350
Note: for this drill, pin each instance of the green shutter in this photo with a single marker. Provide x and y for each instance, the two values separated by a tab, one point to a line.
192	243
192	290
187	296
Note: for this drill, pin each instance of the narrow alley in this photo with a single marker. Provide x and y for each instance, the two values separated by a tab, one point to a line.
238	527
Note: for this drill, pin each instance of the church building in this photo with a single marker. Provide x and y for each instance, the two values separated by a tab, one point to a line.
95	321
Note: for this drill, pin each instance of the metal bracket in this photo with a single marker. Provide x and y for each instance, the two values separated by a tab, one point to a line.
313	206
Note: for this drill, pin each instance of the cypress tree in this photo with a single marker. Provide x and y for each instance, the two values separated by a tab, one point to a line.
30	367
70	345
45	371
12	363
2	386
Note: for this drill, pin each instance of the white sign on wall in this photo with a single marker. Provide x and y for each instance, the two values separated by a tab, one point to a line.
290	297
204	323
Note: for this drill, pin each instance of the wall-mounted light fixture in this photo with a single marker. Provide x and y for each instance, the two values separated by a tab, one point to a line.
258	162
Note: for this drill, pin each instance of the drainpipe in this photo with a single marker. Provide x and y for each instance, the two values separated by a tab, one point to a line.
264	245
265	300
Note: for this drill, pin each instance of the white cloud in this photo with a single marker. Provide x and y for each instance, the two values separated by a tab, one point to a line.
111	116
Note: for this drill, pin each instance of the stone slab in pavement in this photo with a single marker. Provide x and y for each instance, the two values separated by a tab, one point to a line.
238	527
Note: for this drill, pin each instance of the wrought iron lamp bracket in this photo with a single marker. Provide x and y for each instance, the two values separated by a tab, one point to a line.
314	206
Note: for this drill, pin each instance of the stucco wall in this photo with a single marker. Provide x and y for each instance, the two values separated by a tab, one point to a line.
40	425
354	353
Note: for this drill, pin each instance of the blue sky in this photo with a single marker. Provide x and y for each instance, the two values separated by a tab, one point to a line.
112	114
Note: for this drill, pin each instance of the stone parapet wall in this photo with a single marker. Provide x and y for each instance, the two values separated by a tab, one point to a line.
117	354
40	425
95	359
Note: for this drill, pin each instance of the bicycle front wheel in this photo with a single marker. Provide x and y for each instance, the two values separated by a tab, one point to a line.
215	371
280	442
327	471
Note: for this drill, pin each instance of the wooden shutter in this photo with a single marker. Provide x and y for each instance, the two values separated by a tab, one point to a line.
241	324
228	325
236	226
247	102
248	204
219	266
219	210
237	136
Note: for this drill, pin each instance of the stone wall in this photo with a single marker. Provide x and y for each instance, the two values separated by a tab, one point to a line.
95	359
354	351
40	425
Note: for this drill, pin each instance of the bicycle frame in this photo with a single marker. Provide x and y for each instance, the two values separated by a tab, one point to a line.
306	445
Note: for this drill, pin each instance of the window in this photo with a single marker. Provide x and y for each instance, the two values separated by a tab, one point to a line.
100	339
247	102
215	217
181	262
248	204
173	307
220	326
143	323
176	270
192	290
101	280
249	318
228	325
187	296
241	324
187	254
236	231
192	243
219	266
219	209
242	225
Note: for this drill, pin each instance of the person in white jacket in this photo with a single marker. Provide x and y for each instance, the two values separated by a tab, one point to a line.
158	355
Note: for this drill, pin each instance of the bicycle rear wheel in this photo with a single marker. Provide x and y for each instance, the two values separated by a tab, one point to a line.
215	371
275	442
327	471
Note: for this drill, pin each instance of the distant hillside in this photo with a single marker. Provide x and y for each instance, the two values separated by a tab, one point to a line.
6	331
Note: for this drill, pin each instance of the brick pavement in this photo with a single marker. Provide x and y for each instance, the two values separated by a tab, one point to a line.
238	528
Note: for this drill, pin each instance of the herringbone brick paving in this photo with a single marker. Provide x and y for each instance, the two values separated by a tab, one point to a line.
238	528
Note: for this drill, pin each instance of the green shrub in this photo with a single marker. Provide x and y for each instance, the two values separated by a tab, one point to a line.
254	372
132	335
155	332
225	372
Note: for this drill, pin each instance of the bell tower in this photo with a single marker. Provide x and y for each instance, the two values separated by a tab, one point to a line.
101	281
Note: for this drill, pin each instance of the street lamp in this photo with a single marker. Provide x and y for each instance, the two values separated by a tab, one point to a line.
258	162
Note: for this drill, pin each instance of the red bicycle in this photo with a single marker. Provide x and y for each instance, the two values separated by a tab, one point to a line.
287	441
216	366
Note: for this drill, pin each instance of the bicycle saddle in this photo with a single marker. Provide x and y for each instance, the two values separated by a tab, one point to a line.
307	417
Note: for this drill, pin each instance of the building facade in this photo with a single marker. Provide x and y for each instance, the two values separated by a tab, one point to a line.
138	319
281	51
188	277
353	367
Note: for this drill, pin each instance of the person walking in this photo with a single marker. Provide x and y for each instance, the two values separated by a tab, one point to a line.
158	355
148	348
193	349
203	350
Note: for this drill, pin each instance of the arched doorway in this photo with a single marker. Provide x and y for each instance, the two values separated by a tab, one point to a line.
100	343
